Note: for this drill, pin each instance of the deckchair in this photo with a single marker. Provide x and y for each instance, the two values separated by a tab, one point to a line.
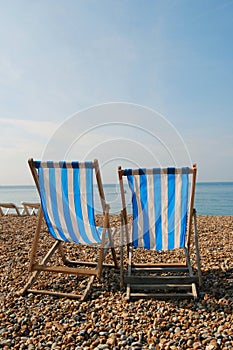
30	208
163	216
11	208
67	205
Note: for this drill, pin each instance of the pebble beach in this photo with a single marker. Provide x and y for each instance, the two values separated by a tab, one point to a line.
106	320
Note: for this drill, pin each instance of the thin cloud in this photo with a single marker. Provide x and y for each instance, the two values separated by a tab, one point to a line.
27	128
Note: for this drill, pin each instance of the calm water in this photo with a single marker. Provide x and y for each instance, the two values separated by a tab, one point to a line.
212	198
18	194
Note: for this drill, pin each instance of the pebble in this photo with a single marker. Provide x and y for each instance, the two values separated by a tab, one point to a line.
136	344
106	320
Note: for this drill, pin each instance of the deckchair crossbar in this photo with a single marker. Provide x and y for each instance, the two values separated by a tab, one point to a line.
63	164
165	171
86	263
67	270
167	286
65	295
160	280
161	296
160	269
60	294
160	265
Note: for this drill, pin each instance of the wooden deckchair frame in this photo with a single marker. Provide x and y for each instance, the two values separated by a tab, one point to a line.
90	269
155	285
9	206
30	208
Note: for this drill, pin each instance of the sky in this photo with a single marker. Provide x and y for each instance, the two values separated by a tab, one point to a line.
60	57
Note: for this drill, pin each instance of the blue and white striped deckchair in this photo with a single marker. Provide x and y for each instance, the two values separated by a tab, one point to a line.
162	203
67	205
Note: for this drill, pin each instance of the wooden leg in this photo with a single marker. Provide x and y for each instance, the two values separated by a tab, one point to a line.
36	268
129	271
188	261
62	253
197	249
112	246
36	239
101	254
36	273
87	290
122	253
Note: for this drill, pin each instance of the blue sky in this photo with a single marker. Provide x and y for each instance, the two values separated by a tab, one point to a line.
58	57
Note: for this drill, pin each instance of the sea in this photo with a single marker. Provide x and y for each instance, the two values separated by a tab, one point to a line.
211	198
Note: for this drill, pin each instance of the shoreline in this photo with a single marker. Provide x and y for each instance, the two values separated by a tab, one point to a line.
211	198
105	320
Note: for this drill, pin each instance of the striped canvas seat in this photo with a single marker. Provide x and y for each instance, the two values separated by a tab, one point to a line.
67	205
162	206
66	191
